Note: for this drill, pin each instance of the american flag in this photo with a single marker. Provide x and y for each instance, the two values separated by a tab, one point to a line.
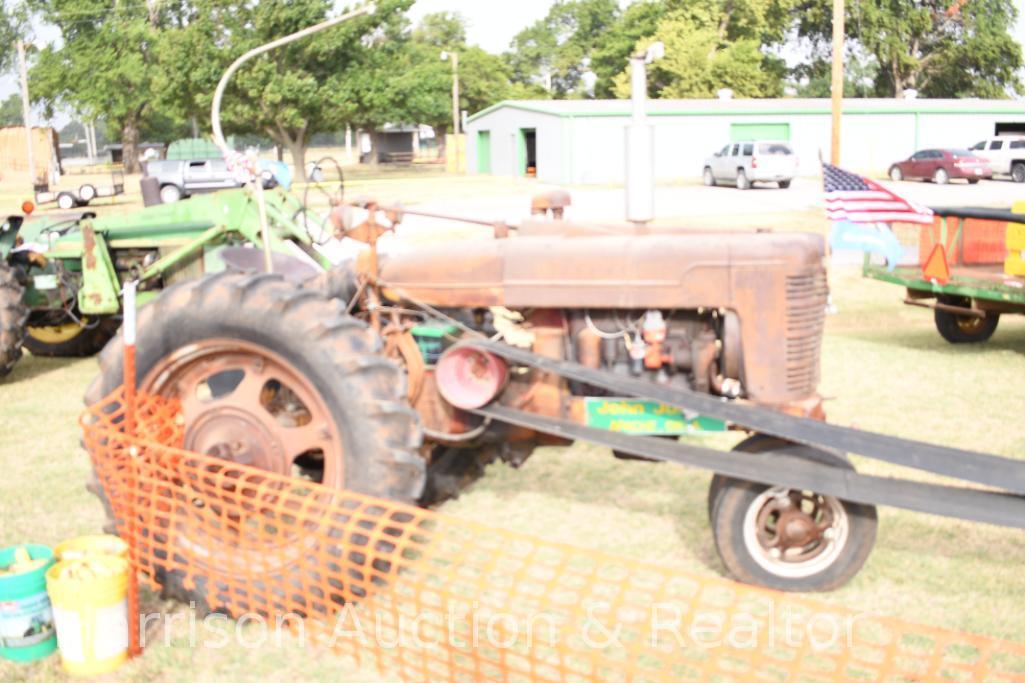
854	199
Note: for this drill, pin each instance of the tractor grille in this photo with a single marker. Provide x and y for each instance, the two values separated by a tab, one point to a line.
806	314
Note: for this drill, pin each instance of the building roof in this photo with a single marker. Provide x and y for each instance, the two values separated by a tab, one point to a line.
778	106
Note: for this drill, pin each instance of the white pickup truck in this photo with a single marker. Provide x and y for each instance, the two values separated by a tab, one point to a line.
1005	154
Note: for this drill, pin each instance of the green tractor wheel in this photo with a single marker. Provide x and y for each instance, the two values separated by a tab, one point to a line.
70	339
12	319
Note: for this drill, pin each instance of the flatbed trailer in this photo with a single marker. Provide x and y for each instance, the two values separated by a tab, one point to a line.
967	267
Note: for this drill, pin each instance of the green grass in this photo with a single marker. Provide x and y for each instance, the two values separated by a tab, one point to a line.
883	364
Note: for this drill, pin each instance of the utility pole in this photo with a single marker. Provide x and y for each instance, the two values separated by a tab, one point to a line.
837	81
455	93
25	111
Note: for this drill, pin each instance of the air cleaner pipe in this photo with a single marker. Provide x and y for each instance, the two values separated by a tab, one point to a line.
215	109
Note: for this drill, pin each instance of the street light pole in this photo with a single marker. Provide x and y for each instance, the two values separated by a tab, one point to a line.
25	111
837	80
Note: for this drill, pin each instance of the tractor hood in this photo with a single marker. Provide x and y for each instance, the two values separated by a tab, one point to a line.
580	269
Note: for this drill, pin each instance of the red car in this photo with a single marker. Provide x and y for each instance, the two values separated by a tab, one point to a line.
941	166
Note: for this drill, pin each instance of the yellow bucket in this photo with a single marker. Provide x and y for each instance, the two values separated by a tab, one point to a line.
91	546
90	610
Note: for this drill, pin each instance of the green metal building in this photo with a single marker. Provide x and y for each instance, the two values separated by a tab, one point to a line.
580	142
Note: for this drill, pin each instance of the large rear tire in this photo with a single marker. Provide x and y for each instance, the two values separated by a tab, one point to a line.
788	539
70	339
13	315
342	403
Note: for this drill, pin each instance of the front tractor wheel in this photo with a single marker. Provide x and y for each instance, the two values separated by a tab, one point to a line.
789	539
274	377
12	319
70	339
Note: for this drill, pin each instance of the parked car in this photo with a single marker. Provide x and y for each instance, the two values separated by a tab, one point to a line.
941	166
1006	155
756	161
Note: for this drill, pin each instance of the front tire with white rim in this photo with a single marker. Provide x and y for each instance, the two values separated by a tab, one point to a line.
708	177
896	175
941	177
789	539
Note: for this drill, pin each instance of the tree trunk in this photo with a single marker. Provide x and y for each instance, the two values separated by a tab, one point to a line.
439	134
130	146
375	148
297	149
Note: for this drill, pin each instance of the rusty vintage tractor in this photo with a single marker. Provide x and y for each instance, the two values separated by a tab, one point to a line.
371	377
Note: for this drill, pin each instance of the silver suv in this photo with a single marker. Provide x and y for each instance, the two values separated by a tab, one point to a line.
1005	154
756	161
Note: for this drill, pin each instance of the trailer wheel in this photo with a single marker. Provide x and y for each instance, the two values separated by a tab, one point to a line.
70	339
12	319
963	329
279	377
790	539
66	200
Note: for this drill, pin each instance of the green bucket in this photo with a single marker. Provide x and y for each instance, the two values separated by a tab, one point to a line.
26	619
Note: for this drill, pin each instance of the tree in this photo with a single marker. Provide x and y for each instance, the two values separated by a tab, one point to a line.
13	23
441	29
556	51
640	19
715	44
10	112
306	87
941	48
104	66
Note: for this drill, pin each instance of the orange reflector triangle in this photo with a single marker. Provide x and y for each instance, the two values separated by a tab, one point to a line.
936	267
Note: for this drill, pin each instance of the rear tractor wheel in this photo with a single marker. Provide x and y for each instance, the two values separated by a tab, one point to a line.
789	539
278	378
13	315
70	339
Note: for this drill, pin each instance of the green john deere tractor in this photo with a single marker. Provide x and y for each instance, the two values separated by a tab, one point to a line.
61	279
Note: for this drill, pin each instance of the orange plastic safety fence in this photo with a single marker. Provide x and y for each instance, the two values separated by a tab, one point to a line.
428	597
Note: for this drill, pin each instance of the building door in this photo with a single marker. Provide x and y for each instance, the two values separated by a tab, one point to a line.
741	132
484	151
526	152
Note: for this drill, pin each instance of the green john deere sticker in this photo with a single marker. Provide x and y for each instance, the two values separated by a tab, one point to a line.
636	416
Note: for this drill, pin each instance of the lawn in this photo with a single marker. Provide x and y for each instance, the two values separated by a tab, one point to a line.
884	369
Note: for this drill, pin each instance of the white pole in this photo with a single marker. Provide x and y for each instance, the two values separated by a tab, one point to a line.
640	140
26	111
348	143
